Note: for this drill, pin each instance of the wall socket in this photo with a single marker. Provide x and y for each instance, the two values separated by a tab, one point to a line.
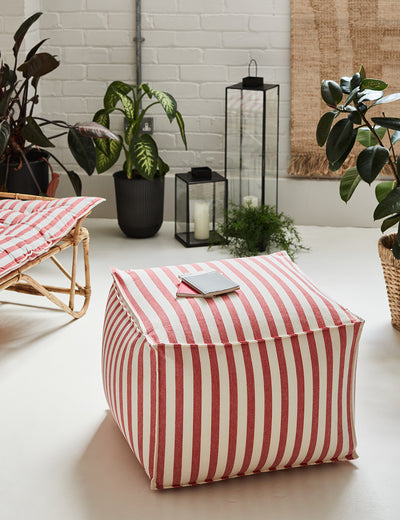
147	125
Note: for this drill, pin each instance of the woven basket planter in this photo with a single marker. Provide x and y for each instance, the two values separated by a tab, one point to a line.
391	273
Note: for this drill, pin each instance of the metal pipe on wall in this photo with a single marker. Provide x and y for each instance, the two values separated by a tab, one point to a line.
138	39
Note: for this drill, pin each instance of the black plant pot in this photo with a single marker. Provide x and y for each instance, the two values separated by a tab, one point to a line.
20	180
140	205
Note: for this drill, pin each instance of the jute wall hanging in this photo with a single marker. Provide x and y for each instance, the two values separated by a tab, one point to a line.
330	40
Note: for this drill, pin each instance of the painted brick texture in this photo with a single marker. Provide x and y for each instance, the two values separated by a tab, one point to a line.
192	49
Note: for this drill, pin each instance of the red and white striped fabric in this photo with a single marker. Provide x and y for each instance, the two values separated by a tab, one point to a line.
28	228
253	381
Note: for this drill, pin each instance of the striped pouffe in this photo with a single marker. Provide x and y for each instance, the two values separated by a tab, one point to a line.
209	389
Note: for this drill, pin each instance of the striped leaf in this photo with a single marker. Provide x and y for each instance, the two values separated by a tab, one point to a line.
167	102
144	155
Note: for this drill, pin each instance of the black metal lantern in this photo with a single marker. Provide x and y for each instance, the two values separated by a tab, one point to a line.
200	201
251	141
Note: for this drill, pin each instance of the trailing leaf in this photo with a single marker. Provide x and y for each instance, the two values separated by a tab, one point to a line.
181	125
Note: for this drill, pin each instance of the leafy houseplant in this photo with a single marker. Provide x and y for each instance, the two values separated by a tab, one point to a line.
353	98
22	134
142	160
250	231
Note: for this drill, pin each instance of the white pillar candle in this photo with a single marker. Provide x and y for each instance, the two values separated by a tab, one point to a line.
250	200
201	220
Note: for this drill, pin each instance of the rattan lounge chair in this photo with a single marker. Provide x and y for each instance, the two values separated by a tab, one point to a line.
15	277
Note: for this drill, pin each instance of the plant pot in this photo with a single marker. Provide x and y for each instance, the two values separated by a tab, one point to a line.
20	180
391	273
140	205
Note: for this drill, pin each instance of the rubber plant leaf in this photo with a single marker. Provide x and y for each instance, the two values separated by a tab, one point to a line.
144	155
388	99
371	161
83	150
348	183
370	95
373	84
76	182
33	133
387	122
367	138
339	140
395	136
4	135
389	205
167	102
22	30
389	222
39	65
324	127
383	189
338	164
331	92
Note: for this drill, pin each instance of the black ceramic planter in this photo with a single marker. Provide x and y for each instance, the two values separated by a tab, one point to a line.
20	180
140	205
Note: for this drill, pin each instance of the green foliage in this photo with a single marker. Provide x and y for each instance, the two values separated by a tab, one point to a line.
250	231
141	152
363	94
20	130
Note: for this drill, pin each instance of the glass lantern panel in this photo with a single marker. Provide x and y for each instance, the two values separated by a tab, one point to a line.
271	146
181	214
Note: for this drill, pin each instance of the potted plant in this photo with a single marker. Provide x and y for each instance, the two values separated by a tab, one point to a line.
139	187
250	230
351	100
24	147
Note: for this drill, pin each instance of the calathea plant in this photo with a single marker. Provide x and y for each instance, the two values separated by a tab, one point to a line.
354	97
21	132
140	150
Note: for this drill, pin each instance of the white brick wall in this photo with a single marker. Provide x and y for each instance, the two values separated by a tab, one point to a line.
192	49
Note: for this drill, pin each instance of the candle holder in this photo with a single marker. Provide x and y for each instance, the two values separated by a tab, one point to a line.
251	141
200	201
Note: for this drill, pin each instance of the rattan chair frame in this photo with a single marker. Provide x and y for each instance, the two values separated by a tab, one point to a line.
21	282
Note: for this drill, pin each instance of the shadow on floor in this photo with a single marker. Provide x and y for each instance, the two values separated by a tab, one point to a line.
114	485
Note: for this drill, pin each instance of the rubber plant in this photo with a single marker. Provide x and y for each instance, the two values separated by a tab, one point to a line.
353	101
21	131
140	149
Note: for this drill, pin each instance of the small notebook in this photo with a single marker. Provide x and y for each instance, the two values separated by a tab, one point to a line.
185	291
210	283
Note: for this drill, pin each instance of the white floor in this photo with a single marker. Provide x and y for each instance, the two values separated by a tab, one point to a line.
62	457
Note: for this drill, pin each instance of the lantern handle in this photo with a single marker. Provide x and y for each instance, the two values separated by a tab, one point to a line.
255	64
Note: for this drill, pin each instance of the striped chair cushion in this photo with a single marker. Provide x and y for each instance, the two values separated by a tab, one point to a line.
29	228
253	381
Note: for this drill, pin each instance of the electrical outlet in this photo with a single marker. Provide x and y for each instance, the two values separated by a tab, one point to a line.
147	125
